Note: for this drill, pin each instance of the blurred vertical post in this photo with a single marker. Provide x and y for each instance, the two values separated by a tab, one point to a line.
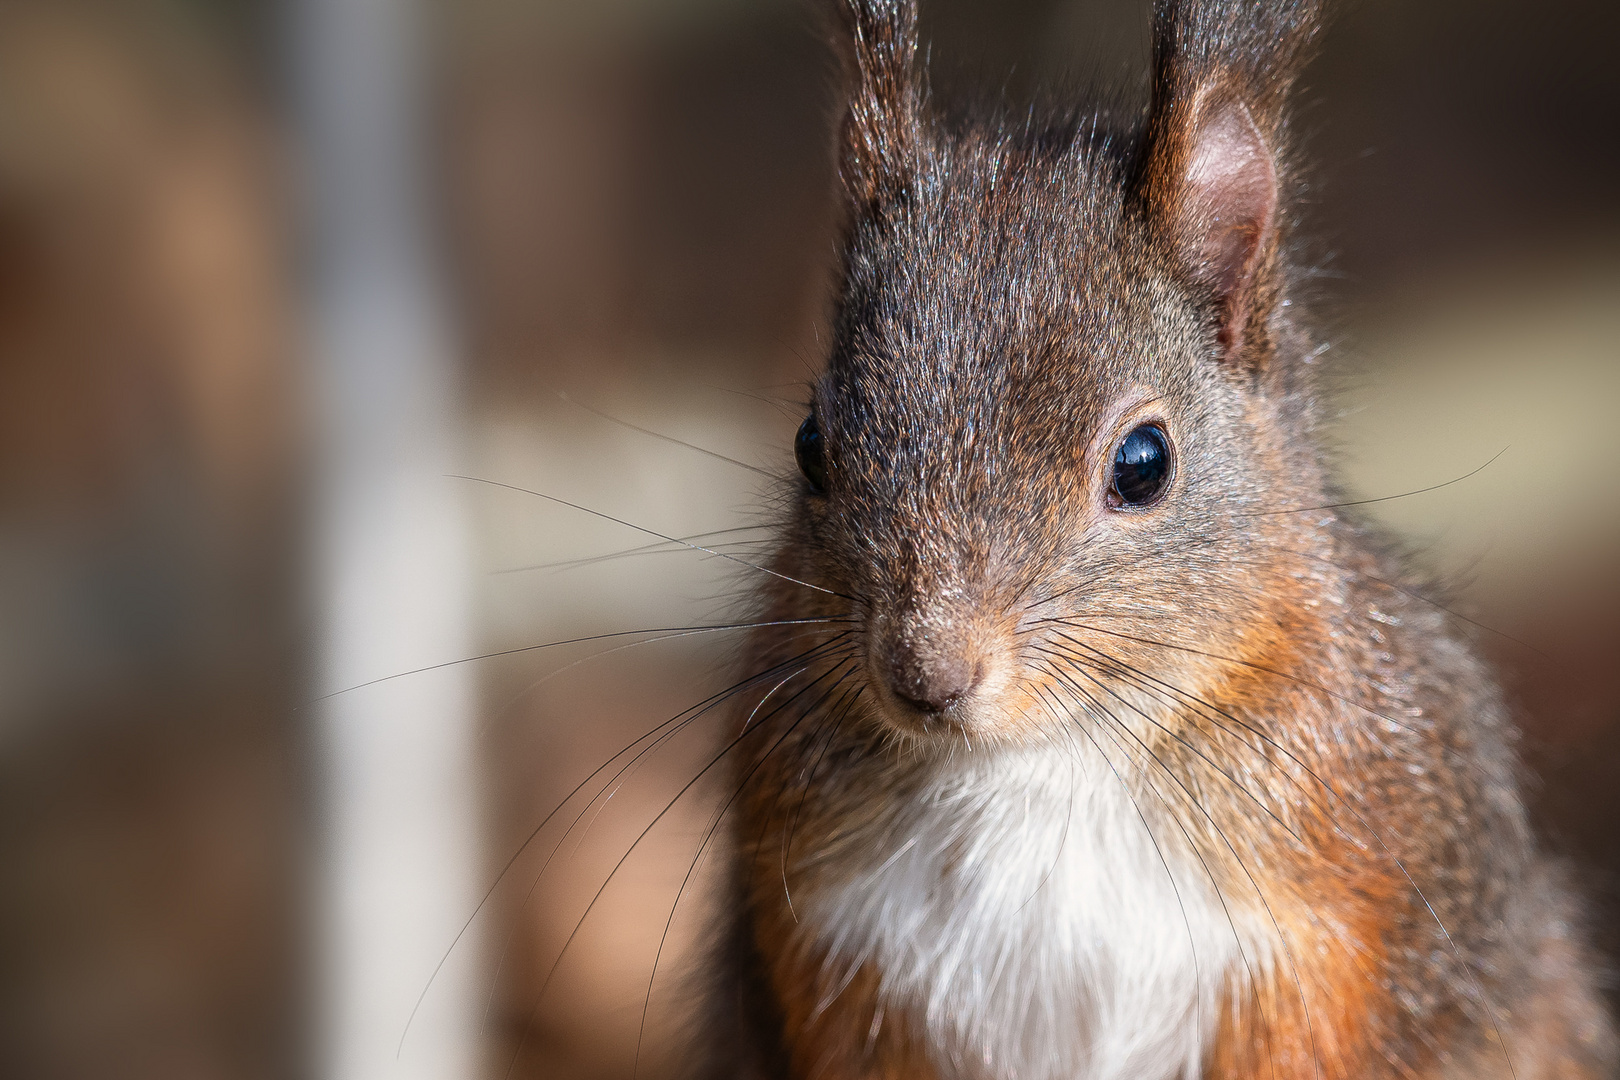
398	819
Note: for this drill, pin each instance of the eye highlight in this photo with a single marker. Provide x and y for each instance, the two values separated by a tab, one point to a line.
810	450
1142	467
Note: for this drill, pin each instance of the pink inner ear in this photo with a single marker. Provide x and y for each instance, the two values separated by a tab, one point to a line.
1226	208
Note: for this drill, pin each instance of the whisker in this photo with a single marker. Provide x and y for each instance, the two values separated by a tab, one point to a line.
667	438
1190	747
1377	838
804	659
830	723
732	745
1212	713
658	547
1195	706
781	405
1229	555
612	782
1103	713
559	672
1191	798
1384	498
793	822
1063	838
1192	944
681	718
670	630
1362	575
1308	684
642	529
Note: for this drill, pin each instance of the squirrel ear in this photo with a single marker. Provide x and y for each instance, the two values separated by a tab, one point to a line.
880	132
1217	207
1209	174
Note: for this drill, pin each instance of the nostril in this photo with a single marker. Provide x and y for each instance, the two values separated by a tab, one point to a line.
937	704
933	684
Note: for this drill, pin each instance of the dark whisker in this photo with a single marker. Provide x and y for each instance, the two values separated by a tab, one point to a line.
831	723
613	782
1063	838
659	547
1177	736
1193	800
1399	863
681	718
732	745
1230	555
804	659
810	779
667	438
1362	575
1227	554
1307	683
1383	498
1157	850
642	529
1109	718
670	630
557	672
786	406
1196	706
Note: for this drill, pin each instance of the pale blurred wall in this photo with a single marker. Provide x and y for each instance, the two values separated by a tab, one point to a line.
636	208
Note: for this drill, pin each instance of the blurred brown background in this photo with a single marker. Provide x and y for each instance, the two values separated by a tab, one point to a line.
634	205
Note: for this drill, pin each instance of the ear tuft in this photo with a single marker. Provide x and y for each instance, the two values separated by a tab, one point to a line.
879	135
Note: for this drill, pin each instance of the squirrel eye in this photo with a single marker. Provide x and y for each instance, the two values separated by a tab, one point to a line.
1142	466
808	449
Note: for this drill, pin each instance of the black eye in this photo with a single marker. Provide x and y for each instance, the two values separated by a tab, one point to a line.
1142	466
807	447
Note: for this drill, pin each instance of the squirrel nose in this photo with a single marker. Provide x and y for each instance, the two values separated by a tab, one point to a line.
932	682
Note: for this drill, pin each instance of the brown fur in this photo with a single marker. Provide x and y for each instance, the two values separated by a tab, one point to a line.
841	1029
1260	674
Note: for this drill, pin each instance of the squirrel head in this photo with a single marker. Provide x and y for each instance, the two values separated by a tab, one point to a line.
1065	393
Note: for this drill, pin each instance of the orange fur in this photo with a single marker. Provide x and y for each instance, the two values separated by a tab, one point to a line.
1318	1011
838	1031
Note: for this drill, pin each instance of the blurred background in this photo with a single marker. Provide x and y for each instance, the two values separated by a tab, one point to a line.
272	273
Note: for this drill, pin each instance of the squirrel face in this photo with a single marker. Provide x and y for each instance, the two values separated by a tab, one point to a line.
964	482
1021	317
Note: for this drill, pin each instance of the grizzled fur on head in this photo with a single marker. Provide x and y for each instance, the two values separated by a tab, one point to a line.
1016	296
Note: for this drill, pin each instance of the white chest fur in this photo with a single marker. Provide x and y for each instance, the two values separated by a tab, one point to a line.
1020	911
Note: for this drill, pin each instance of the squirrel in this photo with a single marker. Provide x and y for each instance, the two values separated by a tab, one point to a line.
1092	736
